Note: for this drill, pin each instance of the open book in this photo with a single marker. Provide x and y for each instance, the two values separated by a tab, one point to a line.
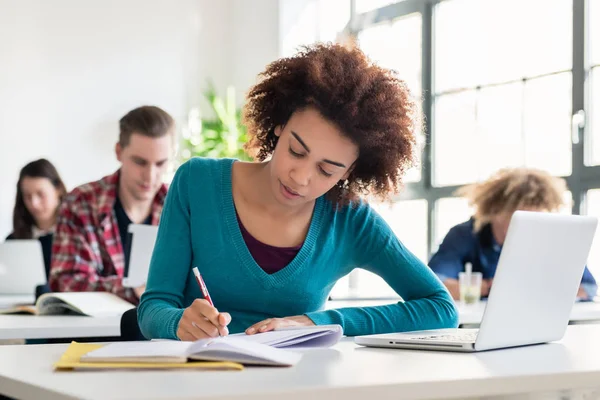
297	337
261	349
93	304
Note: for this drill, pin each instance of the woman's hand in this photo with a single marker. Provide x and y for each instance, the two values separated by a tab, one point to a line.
201	320
274	323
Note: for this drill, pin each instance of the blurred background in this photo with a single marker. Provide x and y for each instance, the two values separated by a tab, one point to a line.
500	83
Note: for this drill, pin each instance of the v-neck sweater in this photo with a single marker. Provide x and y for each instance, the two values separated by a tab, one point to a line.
199	228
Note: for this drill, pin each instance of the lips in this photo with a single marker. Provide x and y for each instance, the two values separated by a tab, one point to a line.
288	192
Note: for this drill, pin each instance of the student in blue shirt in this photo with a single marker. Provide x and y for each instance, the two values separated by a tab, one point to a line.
271	238
479	240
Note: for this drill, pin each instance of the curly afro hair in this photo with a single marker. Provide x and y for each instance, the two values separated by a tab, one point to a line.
369	104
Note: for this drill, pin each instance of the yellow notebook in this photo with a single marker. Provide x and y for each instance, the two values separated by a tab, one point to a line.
71	359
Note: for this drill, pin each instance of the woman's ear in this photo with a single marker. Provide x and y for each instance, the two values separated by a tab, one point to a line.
278	130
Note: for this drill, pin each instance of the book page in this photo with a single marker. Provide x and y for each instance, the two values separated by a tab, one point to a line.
242	351
313	336
140	352
94	304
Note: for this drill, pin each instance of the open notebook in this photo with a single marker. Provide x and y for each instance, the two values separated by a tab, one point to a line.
260	349
93	304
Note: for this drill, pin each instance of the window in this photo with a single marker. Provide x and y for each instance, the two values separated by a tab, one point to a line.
363	6
594	84
303	22
500	81
396	44
593	208
489	112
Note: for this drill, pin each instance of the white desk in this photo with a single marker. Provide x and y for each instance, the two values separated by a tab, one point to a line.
345	371
581	313
57	326
7	301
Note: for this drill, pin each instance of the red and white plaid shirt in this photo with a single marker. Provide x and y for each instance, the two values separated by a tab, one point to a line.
87	254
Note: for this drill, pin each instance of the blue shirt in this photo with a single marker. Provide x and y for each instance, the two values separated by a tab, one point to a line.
198	227
462	245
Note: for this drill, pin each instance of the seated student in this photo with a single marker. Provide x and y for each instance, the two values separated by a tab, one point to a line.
479	240
40	191
89	245
271	238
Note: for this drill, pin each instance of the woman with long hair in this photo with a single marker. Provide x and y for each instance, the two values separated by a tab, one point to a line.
40	191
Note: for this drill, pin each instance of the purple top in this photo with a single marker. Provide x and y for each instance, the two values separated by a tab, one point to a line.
270	258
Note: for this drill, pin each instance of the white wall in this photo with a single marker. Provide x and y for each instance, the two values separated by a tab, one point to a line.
70	69
255	41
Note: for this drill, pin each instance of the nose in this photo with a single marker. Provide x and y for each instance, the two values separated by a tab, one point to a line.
301	174
148	172
35	202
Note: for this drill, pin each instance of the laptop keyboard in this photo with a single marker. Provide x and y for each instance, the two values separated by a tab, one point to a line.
462	337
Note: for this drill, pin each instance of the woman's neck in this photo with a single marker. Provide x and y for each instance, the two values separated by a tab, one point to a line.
45	225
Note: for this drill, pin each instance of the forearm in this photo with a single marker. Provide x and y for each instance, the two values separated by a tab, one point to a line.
158	319
432	312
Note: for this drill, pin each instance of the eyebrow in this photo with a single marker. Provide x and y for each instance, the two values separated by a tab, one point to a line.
138	158
337	164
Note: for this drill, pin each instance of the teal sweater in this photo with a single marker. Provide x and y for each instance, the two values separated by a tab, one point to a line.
198	227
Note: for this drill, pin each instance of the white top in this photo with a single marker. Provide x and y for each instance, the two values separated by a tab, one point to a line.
57	326
345	371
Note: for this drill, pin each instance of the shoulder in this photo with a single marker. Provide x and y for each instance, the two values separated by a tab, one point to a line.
202	165
356	216
465	229
97	195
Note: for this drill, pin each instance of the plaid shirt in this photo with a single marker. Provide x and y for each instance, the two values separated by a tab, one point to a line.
87	254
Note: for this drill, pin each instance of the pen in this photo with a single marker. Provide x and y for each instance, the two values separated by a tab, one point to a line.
202	285
203	289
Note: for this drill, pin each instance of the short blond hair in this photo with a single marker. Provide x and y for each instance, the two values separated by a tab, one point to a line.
511	189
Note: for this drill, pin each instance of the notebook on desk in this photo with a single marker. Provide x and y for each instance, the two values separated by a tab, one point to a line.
93	304
71	360
269	348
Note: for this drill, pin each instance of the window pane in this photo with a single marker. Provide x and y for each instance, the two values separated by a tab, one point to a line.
499	129
303	22
454	138
547	120
408	220
368	5
448	213
397	45
473	45
594	141
593	208
594	31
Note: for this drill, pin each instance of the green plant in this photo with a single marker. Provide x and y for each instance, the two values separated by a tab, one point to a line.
223	135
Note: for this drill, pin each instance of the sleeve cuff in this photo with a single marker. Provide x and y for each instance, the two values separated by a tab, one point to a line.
328	317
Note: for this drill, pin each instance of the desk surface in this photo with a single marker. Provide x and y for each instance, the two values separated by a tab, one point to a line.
345	371
57	326
10	300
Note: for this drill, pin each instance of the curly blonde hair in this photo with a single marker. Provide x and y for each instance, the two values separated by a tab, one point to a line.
513	189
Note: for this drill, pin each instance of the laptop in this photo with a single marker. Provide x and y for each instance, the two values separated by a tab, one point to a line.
535	286
21	268
141	241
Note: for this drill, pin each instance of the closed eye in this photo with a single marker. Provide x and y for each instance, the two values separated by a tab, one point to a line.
297	155
327	174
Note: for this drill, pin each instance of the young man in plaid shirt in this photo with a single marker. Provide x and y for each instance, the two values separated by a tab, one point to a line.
89	247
